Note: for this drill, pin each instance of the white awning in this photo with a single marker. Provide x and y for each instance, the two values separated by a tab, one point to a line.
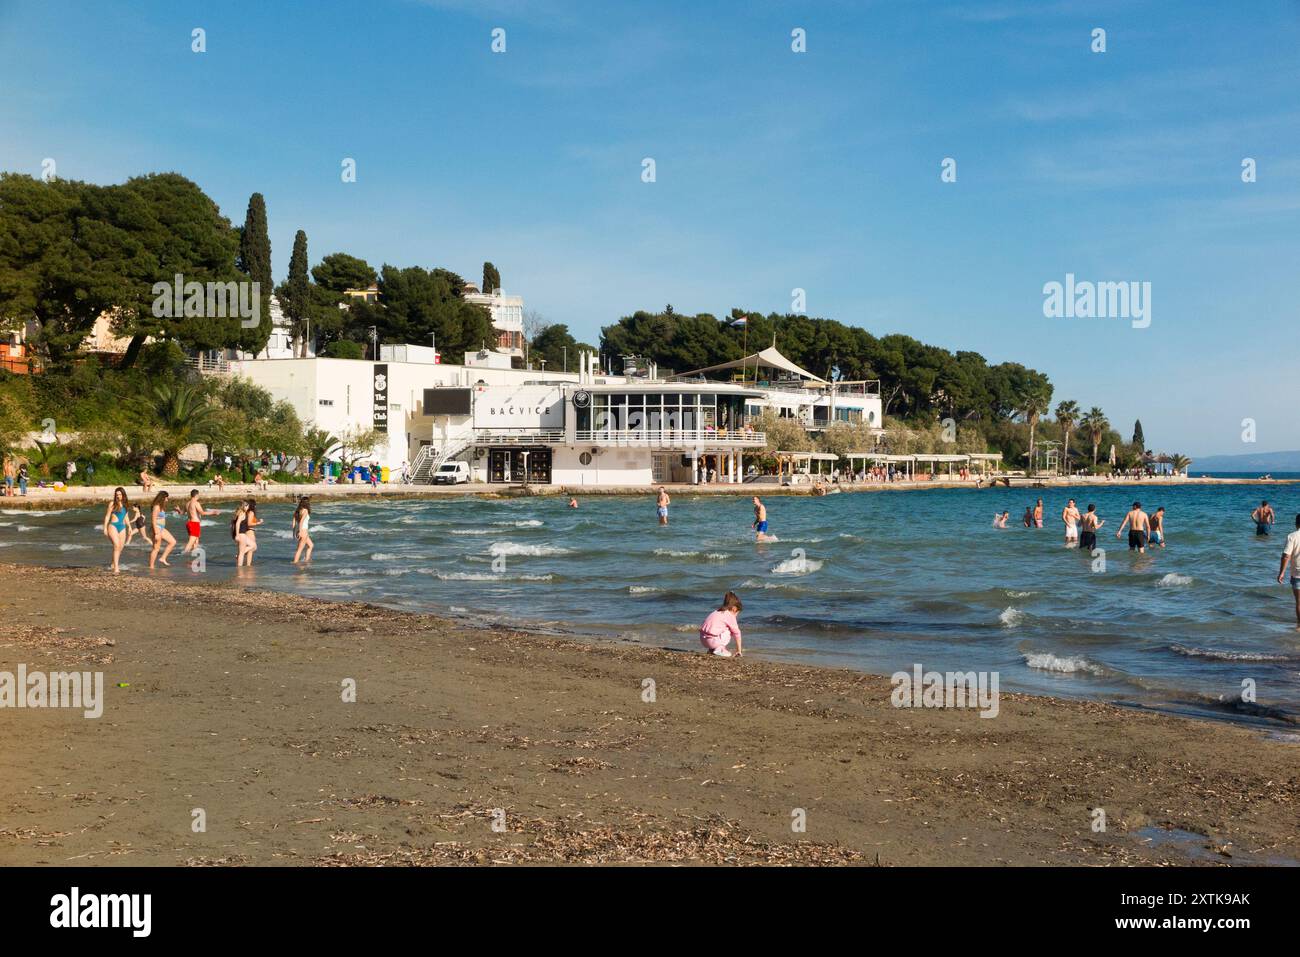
768	358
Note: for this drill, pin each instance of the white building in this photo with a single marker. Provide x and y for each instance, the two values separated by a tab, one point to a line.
515	425
507	317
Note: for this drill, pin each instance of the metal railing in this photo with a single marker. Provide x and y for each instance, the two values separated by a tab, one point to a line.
208	365
518	436
671	438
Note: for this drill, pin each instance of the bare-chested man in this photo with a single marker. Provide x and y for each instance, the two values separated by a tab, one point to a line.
661	505
1263	518
1038	514
1091	522
1070	516
1138	524
760	520
194	512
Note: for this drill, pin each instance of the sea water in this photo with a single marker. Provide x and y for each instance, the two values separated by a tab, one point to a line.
876	581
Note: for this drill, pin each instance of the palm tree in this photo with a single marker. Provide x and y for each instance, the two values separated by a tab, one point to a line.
319	443
1096	425
1067	416
185	416
1033	403
1180	463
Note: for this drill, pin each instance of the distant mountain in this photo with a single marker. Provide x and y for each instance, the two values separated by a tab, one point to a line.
1255	462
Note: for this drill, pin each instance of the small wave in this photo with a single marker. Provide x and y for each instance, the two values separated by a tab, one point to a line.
642	589
73	548
1074	664
672	553
797	566
522	523
32	512
488	577
717	556
26	528
515	548
1011	617
471	531
385	557
753	583
397	571
1226	655
1172	580
1017	594
281	533
350	571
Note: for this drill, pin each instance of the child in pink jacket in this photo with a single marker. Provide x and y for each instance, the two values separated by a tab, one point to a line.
721	625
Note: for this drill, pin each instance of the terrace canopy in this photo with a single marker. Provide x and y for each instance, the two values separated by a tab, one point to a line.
767	359
805	459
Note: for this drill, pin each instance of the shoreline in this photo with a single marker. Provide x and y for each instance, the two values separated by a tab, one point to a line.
230	702
39	499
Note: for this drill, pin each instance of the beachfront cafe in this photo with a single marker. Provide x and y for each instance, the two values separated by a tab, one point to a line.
802	466
925	467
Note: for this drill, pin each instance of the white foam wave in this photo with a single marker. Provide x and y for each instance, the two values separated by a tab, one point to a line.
1226	655
515	548
1011	617
1172	581
673	553
73	548
1070	664
797	566
642	589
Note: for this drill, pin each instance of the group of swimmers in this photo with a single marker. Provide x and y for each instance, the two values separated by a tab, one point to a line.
1144	530
123	521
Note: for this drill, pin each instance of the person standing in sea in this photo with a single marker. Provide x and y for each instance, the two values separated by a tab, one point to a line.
1038	514
1158	527
1291	555
115	524
1138	524
1091	522
1263	518
661	505
1070	516
760	520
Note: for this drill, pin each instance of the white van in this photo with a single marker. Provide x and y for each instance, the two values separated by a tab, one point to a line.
451	473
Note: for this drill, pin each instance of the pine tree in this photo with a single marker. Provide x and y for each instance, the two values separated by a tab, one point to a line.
491	278
255	260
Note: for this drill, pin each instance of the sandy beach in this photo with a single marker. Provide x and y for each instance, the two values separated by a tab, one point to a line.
230	700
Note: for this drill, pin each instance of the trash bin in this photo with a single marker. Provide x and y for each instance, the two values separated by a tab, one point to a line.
383	475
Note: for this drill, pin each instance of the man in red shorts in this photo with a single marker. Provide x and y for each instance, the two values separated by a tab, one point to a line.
194	512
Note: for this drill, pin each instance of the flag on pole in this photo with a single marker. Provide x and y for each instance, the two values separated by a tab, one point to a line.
742	321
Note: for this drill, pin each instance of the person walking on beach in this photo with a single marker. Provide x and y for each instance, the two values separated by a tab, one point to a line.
1158	527
721	626
1291	555
194	513
301	527
23	478
661	505
1138	524
1263	518
1070	516
115	524
1091	522
158	522
1038	514
760	520
11	472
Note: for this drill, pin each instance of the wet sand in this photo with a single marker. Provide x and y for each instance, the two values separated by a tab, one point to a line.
231	702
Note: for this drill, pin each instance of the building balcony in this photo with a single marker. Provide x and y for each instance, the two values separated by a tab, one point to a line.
518	436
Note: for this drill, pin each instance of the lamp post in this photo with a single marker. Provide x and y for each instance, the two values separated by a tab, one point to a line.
374	343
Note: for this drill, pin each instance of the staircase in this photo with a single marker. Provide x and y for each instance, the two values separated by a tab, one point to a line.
430	458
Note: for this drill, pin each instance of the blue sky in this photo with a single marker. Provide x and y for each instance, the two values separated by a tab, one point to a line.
775	170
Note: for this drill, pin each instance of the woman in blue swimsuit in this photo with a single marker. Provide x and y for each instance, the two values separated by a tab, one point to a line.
161	537
115	524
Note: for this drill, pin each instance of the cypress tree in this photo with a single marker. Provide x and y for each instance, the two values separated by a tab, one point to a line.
255	260
297	290
491	278
1138	439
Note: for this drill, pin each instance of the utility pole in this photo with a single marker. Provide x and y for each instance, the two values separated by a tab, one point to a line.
374	344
